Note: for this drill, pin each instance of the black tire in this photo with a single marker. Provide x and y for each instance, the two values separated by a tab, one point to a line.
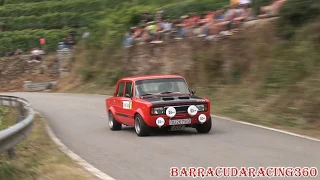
205	127
141	128
113	123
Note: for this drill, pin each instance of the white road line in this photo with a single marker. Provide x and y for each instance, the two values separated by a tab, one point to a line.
268	128
75	157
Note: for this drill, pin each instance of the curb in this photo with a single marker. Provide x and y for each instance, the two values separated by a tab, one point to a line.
91	169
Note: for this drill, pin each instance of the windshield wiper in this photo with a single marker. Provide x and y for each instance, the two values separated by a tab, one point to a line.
147	94
166	92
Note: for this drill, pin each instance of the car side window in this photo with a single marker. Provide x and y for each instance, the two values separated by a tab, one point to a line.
120	89
129	88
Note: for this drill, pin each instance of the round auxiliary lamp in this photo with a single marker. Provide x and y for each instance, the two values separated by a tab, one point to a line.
192	110
171	112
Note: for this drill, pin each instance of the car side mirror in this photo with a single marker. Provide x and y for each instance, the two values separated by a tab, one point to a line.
193	92
128	96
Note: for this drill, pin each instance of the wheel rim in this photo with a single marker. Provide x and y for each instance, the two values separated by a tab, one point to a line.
137	125
111	120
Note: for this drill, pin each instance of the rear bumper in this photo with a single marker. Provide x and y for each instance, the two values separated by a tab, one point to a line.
151	121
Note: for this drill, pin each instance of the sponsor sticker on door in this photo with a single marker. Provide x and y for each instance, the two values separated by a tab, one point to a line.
127	104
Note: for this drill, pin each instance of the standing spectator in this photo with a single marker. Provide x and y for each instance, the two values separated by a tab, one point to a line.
42	42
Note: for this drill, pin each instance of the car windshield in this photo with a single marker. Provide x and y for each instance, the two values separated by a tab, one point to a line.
161	86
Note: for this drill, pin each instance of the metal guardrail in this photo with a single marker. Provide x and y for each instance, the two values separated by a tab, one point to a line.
12	135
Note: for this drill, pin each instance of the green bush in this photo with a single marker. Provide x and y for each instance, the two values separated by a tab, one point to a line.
296	59
47	7
50	21
296	13
27	1
174	11
28	39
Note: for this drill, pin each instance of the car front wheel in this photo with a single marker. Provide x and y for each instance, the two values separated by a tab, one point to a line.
113	123
141	128
205	127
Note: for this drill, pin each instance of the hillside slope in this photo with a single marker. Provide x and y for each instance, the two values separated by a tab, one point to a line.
253	76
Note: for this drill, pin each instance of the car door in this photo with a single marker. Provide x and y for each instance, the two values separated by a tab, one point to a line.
117	102
128	111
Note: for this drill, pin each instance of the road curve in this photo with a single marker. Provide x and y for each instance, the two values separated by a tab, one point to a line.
80	122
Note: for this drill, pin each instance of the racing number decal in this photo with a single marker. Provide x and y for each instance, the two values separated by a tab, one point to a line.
170	112
192	110
126	104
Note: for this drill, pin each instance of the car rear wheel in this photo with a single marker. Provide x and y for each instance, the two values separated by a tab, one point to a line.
205	127
141	128
113	123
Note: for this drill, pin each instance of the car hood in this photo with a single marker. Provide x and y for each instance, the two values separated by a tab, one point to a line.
173	99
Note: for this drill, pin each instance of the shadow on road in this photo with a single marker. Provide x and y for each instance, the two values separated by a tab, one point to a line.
163	133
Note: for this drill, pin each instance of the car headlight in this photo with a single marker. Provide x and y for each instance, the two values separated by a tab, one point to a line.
157	110
202	107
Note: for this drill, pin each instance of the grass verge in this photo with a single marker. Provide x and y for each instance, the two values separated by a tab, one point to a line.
7	117
38	157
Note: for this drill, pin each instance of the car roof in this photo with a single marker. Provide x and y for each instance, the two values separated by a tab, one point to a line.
136	78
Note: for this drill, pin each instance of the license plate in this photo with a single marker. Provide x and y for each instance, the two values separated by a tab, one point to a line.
179	121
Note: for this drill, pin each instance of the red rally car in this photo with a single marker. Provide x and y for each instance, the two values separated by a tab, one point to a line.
157	101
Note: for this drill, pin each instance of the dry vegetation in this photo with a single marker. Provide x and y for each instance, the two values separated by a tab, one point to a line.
38	157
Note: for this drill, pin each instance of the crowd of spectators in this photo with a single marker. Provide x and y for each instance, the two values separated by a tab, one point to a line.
210	25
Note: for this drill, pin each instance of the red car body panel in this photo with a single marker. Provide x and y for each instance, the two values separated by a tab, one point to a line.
136	105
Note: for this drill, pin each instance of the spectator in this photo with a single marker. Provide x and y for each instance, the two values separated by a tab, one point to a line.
152	27
145	37
159	16
272	10
128	38
18	52
36	55
61	46
245	13
224	25
69	42
137	33
181	26
10	53
159	33
193	18
166	25
145	16
207	22
42	42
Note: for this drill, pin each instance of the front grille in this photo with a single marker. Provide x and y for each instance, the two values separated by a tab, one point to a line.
180	109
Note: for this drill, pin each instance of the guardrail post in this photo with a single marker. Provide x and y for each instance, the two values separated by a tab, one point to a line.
21	112
11	153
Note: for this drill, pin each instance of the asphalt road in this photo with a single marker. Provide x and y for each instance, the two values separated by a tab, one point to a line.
80	122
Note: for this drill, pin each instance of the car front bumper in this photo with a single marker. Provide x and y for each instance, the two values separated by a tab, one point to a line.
178	119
